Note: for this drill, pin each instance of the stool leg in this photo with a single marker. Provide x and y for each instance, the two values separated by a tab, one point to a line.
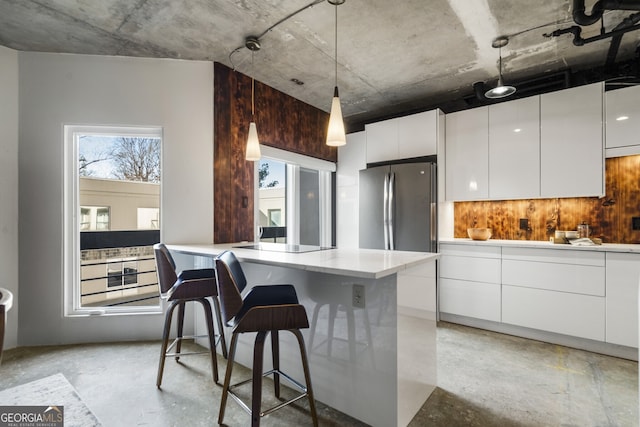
351	332
333	312
181	308
256	392
223	342
212	338
227	377
165	341
275	354
307	376
314	325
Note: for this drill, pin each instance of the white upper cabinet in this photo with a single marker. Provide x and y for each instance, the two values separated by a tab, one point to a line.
514	149
623	121
403	138
382	141
571	142
418	134
467	155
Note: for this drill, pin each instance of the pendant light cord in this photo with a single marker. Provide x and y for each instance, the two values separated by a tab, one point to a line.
336	47
252	88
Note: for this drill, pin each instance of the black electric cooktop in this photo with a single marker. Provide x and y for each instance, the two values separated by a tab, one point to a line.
283	247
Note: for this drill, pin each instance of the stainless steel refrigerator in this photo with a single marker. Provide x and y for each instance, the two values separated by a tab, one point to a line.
398	207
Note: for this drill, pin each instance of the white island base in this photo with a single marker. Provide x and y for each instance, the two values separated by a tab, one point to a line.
376	363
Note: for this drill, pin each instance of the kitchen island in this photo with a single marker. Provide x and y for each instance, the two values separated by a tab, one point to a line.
372	314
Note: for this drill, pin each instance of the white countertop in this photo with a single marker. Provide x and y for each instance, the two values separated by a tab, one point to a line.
605	247
364	263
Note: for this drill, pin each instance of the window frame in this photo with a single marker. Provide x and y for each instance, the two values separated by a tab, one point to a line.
72	305
294	162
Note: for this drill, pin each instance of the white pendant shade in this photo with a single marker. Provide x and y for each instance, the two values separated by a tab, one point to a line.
253	145
335	133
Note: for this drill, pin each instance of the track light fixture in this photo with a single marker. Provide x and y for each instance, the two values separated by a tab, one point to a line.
501	90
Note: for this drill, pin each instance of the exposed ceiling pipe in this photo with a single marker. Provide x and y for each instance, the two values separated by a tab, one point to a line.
581	18
628	22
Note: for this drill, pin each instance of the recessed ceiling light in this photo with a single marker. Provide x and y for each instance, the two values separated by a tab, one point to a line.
298	82
621	118
516	130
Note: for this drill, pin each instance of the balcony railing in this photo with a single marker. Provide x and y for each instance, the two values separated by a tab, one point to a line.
118	268
274	234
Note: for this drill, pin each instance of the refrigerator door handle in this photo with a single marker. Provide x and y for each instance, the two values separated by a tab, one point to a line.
390	205
385	212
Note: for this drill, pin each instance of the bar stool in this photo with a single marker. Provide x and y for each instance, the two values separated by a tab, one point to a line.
268	308
178	289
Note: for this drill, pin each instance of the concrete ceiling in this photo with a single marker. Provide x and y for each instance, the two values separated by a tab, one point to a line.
393	56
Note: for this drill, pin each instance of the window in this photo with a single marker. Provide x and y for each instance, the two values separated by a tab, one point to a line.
294	199
275	217
94	218
112	219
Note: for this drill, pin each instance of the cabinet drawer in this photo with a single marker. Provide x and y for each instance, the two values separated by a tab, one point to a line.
570	314
579	279
472	299
470	268
471	250
562	256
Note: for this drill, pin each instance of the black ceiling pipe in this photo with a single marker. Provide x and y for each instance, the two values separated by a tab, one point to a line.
580	16
627	22
479	89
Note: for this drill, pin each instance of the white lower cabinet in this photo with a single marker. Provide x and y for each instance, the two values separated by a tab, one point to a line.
554	290
582	293
561	312
470	281
623	279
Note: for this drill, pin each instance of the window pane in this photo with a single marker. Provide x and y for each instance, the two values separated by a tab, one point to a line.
272	181
118	199
309	207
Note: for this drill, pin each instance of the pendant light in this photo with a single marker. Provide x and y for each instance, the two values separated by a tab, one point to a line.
335	133
252	152
501	90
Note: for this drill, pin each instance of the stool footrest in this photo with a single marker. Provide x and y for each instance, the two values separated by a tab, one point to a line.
189	337
295	383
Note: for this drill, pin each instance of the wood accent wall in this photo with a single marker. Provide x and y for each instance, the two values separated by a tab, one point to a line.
282	121
609	218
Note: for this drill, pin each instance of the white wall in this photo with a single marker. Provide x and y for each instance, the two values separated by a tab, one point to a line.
351	159
59	89
9	186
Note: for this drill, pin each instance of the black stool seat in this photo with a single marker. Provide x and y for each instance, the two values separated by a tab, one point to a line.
264	309
190	285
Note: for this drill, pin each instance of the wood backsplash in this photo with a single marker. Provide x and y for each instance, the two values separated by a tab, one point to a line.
609	218
283	122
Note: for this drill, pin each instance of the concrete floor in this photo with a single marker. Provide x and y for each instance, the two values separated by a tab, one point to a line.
485	379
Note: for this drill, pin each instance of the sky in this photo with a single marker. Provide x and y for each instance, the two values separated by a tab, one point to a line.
95	147
276	172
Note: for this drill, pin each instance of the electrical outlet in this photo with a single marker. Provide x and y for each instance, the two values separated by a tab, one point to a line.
635	223
358	296
524	224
